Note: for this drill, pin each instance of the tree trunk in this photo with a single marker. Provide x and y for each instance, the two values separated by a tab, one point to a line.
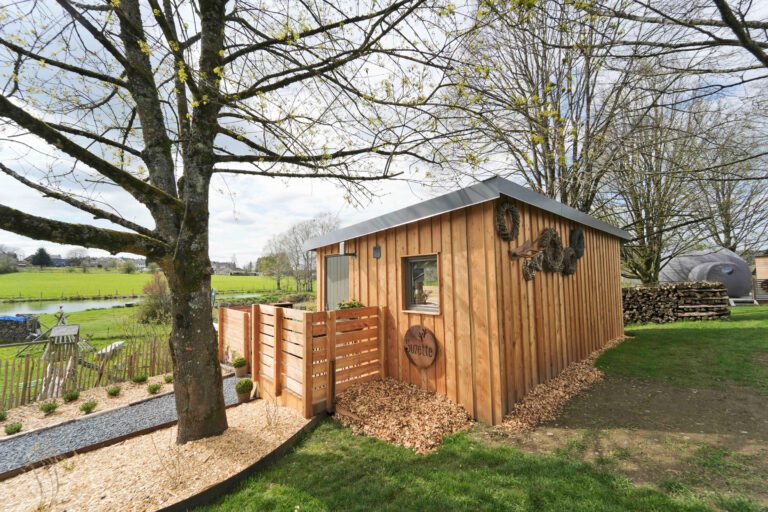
194	346
197	374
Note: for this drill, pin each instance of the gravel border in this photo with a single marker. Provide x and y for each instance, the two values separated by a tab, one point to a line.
36	446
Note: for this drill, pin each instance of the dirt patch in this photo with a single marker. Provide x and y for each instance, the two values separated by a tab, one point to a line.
545	400
637	404
32	418
705	441
400	413
150	472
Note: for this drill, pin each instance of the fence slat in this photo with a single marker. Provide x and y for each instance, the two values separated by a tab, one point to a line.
330	400
278	364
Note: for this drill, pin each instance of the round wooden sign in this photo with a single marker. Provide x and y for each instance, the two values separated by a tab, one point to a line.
420	346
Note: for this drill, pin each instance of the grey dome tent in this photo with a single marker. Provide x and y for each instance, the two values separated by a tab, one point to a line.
716	265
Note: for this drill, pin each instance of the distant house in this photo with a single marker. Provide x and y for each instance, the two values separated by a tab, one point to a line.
226	268
58	261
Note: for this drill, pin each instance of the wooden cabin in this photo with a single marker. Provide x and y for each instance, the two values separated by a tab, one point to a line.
481	307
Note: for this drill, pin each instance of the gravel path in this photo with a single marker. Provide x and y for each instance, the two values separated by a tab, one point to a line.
28	448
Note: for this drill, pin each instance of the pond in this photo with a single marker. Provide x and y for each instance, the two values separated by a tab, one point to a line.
72	306
69	306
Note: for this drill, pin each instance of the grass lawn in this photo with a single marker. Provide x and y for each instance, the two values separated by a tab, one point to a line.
676	463
711	354
336	470
57	283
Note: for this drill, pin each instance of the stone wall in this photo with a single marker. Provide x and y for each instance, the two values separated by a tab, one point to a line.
18	328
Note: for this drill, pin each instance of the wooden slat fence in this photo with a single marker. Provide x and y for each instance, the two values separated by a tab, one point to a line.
303	359
63	368
760	290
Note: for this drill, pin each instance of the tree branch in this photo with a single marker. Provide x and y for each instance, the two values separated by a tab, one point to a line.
85	235
271	174
141	190
97	212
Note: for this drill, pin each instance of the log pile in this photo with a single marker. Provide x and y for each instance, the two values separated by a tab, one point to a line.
670	302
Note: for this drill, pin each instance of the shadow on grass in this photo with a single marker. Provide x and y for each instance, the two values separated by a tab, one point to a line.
335	470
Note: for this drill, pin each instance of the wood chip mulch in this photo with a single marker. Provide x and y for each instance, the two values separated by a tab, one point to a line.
401	414
151	471
545	400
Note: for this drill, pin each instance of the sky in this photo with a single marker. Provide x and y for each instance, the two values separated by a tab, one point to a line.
245	211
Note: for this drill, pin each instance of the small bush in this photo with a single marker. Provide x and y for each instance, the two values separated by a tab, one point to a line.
88	407
3	415
71	396
155	307
113	390
49	407
139	378
351	303
168	379
244	386
13	428
154	388
239	362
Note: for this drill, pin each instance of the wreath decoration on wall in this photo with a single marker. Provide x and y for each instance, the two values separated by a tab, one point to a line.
569	261
507	221
531	266
576	241
551	246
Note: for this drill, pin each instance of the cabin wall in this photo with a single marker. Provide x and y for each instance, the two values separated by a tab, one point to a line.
497	334
554	320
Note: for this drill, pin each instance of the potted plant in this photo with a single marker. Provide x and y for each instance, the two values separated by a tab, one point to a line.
240	366
243	389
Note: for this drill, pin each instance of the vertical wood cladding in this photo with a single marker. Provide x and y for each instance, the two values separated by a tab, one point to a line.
498	335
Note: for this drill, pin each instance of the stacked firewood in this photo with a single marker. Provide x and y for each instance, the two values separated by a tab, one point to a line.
669	302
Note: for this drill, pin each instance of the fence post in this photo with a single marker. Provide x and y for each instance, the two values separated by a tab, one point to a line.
278	350
382	340
256	346
25	384
330	334
247	340
221	333
307	392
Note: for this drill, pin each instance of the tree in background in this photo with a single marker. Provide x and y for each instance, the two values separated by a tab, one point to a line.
8	260
78	257
542	90
41	258
128	267
152	99
291	243
732	193
275	264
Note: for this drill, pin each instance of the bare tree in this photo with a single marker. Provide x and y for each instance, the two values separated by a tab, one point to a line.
291	243
76	257
542	91
128	102
731	197
698	25
652	195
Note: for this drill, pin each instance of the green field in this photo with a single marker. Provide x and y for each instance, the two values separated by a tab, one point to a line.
58	283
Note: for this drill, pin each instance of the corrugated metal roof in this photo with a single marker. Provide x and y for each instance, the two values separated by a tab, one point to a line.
487	190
